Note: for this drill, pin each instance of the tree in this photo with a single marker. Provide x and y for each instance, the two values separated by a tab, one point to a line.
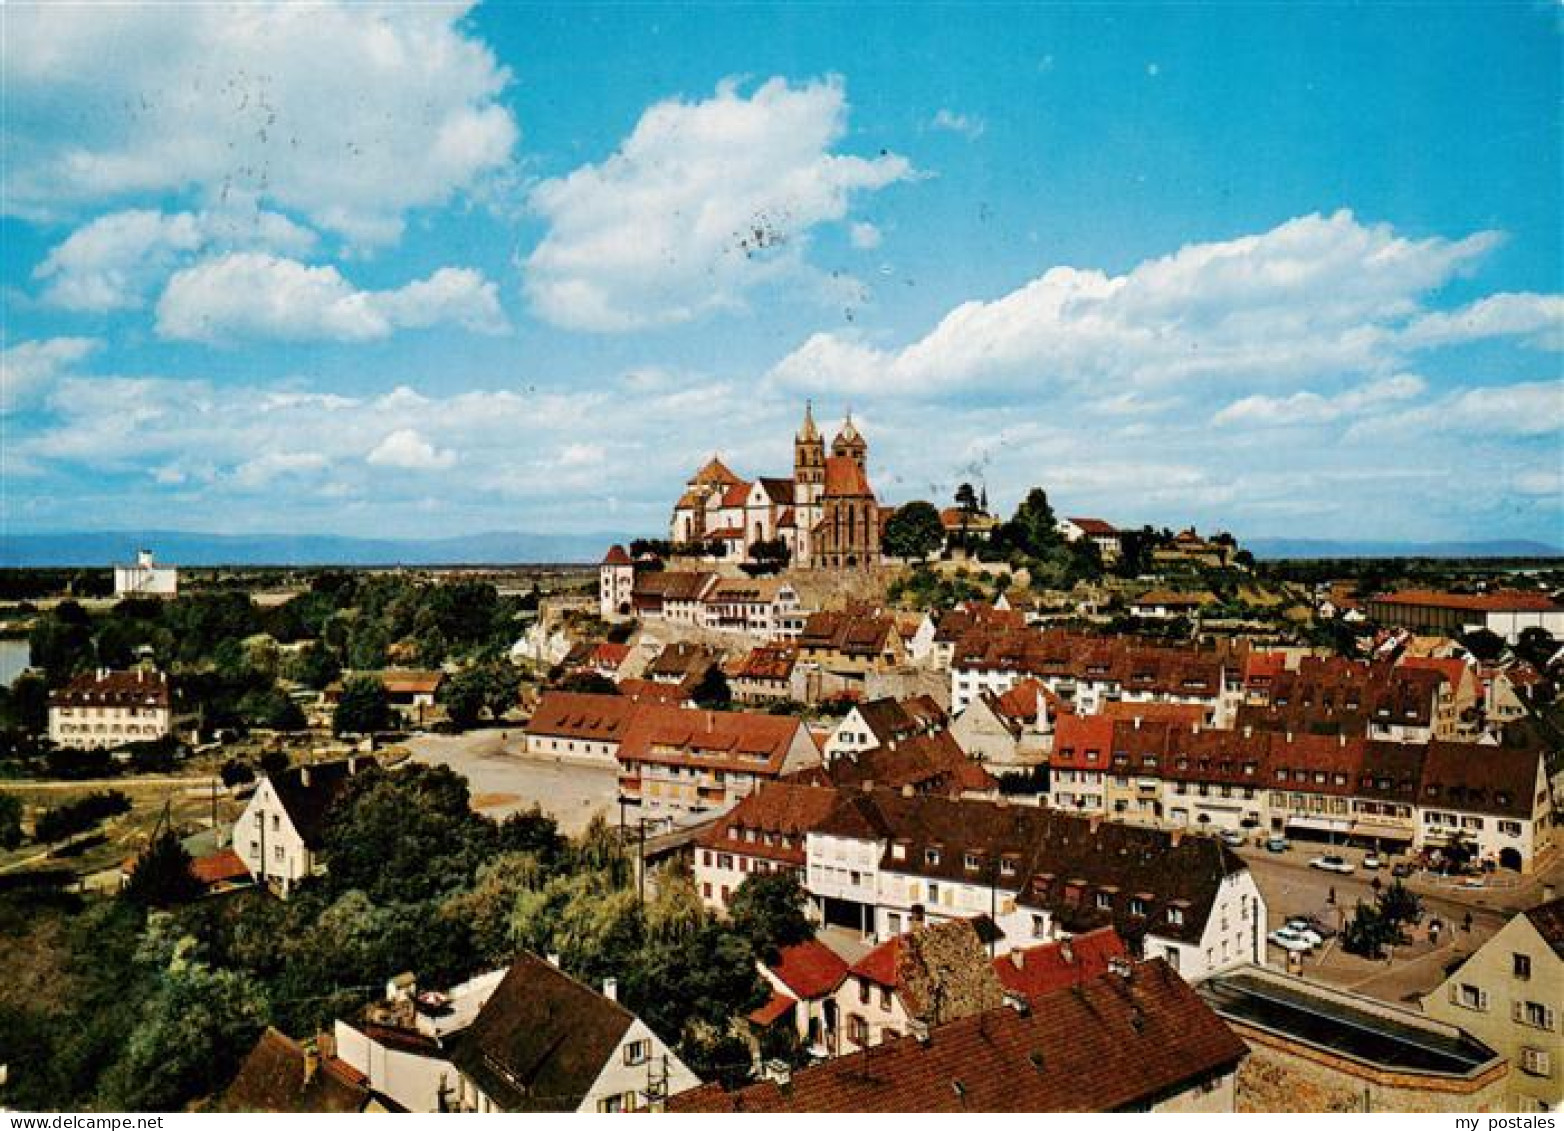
914	531
1399	906
363	707
1368	933
712	690
314	666
462	696
26	703
967	499
163	877
768	910
1033	530
405	836
235	772
161	1067
10	821
60	643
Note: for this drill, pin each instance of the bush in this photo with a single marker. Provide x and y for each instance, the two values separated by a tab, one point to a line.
78	816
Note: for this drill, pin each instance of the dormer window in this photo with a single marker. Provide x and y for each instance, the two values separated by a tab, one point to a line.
1175	917
931	856
1137	906
1104	901
898	852
1007	867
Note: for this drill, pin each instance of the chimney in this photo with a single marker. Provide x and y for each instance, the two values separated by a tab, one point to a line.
906	789
1018	958
1067	951
553	959
919	1029
1119	966
611	989
1137	722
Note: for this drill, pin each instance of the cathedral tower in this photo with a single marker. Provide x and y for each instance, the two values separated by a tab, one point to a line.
850	444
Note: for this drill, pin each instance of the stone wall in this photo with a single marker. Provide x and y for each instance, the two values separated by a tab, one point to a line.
1281	1076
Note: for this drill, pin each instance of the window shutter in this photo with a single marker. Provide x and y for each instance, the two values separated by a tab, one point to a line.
1455	992
1482	1000
1517	1011
1548	1019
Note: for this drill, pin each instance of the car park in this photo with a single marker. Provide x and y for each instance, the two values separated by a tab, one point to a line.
1332	863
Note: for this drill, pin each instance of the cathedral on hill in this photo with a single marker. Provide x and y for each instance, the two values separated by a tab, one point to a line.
826	514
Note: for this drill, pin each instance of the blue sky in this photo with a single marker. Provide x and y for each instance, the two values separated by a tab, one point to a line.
1283	269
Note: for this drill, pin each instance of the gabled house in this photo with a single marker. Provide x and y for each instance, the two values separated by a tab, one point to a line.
282	829
578	725
545	1042
1509	994
803	980
1012	731
401	1045
908	983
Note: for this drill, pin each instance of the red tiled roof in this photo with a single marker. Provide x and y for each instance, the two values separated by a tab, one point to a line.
1035	971
1499	601
575	714
1095	526
610	654
778	1006
784	810
722	740
219	868
1548	919
133	688
649	690
736	495
810	969
880	964
845	479
1187	713
1452	670
715	472
616	556
1109	1044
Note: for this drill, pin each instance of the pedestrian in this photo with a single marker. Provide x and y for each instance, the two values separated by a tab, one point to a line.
1330	896
1466	922
1433	931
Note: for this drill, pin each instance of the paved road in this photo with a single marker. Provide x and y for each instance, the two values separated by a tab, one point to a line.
503	781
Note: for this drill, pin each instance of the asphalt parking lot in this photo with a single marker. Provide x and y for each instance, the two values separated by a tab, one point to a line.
1292	888
503	781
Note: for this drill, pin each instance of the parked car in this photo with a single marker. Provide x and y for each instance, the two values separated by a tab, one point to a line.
1305	930
1332	863
1288	939
1232	839
1320	927
1401	870
1372	861
1277	844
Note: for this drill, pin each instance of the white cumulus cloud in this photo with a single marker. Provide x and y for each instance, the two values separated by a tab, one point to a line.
113	262
1312	408
256	295
1317	294
703	201
405	448
29	369
351	114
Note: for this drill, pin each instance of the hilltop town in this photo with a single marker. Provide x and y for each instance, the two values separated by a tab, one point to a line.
813	781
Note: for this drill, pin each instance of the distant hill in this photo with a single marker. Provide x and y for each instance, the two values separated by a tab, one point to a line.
1329	548
186	548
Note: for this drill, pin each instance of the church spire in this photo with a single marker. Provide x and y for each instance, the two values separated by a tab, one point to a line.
809	432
